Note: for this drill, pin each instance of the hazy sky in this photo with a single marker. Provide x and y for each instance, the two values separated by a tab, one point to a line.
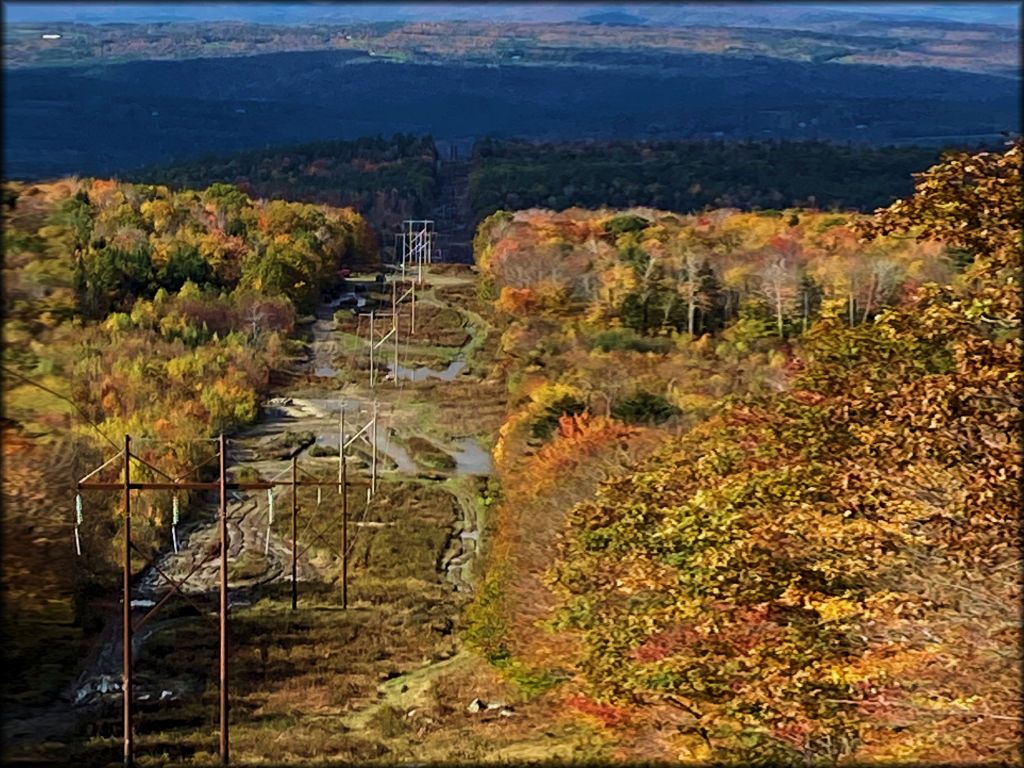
285	13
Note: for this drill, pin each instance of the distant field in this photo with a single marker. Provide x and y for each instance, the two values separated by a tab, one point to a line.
816	37
105	119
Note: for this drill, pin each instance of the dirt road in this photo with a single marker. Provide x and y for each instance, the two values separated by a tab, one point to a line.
406	402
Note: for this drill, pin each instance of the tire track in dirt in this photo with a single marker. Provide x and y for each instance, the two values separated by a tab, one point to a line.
313	408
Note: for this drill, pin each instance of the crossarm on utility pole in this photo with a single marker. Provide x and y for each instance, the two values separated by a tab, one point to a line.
183	486
102	466
384	338
358	434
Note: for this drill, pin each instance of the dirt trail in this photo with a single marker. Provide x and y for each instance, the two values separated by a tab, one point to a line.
314	407
387	680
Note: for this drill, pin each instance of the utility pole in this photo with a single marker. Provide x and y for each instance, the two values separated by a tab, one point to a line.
295	530
343	490
373	470
222	486
395	318
396	304
400	237
126	639
375	343
344	533
419	243
223	602
371	441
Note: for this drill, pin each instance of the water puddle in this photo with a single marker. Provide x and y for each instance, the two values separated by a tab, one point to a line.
347	300
470	458
423	373
401	457
388	447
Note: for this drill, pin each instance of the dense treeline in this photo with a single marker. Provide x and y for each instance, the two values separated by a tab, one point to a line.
131	309
761	550
622	327
385	179
655	273
686	176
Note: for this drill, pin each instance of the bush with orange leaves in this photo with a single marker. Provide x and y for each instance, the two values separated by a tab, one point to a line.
516	301
580	437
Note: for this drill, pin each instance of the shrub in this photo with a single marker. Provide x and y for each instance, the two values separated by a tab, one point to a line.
629	222
545	424
322	450
644	408
429	455
614	339
627	339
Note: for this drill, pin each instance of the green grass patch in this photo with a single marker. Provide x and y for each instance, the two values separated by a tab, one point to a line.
349	343
428	455
426	356
250	565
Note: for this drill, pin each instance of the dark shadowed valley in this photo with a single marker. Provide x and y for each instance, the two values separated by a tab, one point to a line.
105	119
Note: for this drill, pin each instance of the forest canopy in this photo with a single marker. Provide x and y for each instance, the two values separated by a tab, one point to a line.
690	175
132	309
815	561
385	179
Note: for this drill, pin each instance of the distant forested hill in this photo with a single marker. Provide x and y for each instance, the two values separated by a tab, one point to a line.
811	37
690	175
107	119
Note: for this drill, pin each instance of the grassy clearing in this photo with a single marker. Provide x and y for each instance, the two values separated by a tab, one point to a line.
421	355
295	674
428	455
436	324
349	343
481	420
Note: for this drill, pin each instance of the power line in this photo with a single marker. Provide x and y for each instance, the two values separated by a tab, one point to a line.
220	485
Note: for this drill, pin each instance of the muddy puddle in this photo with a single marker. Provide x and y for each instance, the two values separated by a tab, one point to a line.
423	373
390	448
470	458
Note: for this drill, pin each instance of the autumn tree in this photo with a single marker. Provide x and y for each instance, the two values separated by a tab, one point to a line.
787	581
